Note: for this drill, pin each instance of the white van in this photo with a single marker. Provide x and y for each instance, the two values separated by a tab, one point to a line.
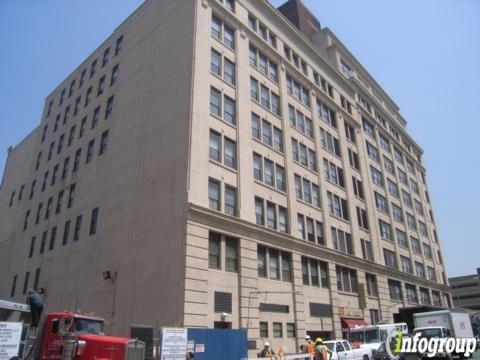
373	336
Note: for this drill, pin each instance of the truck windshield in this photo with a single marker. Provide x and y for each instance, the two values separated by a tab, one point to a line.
371	336
430	333
357	335
89	326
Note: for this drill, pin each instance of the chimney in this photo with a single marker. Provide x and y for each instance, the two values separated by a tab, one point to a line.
299	15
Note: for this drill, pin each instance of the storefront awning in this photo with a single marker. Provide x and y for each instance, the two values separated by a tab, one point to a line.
348	324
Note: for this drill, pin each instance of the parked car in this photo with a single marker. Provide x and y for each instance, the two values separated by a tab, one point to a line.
343	350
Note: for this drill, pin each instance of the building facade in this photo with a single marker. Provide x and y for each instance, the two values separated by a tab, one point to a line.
466	291
231	165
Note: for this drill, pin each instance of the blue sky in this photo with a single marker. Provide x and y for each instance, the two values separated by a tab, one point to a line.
425	53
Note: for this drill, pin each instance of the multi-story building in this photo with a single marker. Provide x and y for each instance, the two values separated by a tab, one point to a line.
228	167
466	291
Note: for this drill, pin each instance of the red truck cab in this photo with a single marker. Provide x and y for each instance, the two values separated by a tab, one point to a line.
83	336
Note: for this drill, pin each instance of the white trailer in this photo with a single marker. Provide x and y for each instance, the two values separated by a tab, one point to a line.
456	321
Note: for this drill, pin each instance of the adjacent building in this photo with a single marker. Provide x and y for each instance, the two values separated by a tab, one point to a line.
222	163
466	291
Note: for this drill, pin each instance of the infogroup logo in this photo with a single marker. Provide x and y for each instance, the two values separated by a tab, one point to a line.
429	347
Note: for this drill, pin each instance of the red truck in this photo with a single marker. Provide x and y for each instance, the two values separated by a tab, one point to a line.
67	335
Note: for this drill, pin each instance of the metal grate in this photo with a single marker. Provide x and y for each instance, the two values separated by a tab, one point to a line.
274	308
135	350
317	309
223	302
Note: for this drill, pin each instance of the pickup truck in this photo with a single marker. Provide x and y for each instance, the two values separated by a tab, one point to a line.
342	350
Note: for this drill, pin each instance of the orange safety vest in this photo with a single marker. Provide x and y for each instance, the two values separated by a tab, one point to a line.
309	347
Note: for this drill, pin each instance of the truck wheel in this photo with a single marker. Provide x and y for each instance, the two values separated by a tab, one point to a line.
365	357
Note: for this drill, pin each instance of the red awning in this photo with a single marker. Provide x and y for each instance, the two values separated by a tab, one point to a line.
349	324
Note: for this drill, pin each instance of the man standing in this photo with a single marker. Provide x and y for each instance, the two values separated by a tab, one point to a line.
36	306
308	347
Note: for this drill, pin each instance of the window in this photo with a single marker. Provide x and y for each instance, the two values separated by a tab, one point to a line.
298	91
36	279
431	274
415	187
377	176
90	148
44	241
367	252
372	152
390	258
300	121
39	211
427	250
392	188
329	142
350	133
53	236
59	202
39	157
358	188
419	269
368	128
384	143
402	176
32	189
423	229
71	196
106	56
333	173
263	64
411	222
25	221
93	68
101	86
381	202
259	213
48	211
78	228
338	206
277	330
267	99
307	191
50	150
109	108
268	172
279	264
397	213
114	76
415	245
280	178
231	254
230	200
88	97
303	155
342	241
257	167
385	230
119	45
326	114
215	146
25	282
389	168
314	228
411	293
71	135
103	143
362	218
96	117
401	238
93	221
76	163
395	289
228	106
372	288
353	159
407	198
291	333
83	125
223	32
62	97
50	105
346	279
263	329
214	194
424	296
66	232
32	247
14	285
419	208
271	216
406	264
315	273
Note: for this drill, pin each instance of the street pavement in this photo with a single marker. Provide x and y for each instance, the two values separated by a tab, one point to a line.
476	356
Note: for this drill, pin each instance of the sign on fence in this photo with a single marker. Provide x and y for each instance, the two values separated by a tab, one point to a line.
174	343
10	335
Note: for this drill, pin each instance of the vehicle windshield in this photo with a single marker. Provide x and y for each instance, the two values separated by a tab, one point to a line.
430	333
356	336
89	326
372	336
329	346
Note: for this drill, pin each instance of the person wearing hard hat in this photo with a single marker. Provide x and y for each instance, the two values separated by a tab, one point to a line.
308	347
321	351
266	351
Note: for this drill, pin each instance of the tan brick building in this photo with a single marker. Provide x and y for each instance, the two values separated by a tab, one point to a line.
229	170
